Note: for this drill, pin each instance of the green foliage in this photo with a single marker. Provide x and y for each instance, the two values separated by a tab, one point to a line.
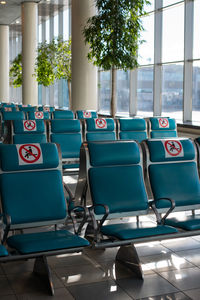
16	71
53	62
114	34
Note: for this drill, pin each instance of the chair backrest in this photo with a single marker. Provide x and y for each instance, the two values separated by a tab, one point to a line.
38	115
115	176
172	171
13	115
28	131
50	109
63	114
8	108
100	129
86	114
160	127
132	129
68	134
31	185
27	108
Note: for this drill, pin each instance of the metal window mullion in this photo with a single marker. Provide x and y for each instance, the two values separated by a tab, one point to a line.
133	92
51	35
188	64
60	82
43	40
157	81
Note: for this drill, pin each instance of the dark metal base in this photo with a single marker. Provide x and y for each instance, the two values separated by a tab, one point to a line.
129	257
41	268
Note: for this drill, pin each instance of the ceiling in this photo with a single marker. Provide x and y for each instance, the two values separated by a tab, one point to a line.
10	13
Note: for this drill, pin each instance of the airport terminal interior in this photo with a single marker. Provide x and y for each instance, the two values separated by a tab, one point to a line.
96	205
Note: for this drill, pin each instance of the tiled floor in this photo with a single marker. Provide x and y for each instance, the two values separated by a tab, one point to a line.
171	268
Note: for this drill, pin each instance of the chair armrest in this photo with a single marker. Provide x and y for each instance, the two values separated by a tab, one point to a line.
73	215
160	220
96	225
7	228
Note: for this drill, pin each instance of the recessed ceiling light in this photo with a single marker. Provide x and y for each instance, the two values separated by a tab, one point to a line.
17	22
2	2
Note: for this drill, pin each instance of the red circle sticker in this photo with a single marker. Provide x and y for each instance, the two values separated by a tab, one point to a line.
46	109
100	123
7	109
29	125
173	148
87	114
39	115
29	153
163	122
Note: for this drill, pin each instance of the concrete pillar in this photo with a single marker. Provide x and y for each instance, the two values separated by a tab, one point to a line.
29	47
84	74
4	63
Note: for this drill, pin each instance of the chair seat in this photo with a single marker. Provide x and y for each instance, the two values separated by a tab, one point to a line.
126	231
45	241
186	222
3	251
70	166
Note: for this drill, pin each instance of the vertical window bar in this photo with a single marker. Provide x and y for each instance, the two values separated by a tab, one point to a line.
60	83
43	40
133	92
51	34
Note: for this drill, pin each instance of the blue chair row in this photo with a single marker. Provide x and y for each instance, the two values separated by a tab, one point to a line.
113	171
32	196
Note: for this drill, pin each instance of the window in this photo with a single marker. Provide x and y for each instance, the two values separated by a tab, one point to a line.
104	91
123	89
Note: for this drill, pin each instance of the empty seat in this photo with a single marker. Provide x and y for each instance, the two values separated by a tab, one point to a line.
172	171
27	108
132	129
85	114
13	115
39	115
50	109
32	196
160	127
63	114
28	131
100	129
67	133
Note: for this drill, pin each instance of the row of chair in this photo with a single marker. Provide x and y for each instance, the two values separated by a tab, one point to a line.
115	173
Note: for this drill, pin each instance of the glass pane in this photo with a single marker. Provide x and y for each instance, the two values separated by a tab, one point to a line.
196	51
145	91
40	33
169	2
172	91
47	38
66	25
173	33
55	26
104	91
123	90
196	92
146	49
150	7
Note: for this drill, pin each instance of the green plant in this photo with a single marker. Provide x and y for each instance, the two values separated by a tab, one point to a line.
16	71
114	35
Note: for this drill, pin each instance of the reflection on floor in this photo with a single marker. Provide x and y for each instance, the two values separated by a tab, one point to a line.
171	267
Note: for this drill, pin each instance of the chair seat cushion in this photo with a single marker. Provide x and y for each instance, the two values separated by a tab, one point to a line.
45	241
3	251
70	166
186	222
126	231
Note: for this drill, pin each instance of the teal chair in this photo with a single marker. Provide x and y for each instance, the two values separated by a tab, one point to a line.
38	115
161	127
86	114
173	173
116	185
63	114
32	196
100	129
132	129
50	109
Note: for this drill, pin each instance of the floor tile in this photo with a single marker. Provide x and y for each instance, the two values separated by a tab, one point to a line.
152	285
183	279
68	260
30	283
146	249
9	297
100	290
18	267
108	254
191	255
60	294
5	287
174	296
193	294
165	262
197	238
78	275
181	244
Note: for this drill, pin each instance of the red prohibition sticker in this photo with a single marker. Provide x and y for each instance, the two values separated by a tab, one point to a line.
7	109
46	109
87	114
163	123
24	105
100	124
39	115
29	154
29	125
173	148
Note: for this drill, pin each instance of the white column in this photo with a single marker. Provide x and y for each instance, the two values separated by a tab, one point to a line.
4	63
84	74
29	52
